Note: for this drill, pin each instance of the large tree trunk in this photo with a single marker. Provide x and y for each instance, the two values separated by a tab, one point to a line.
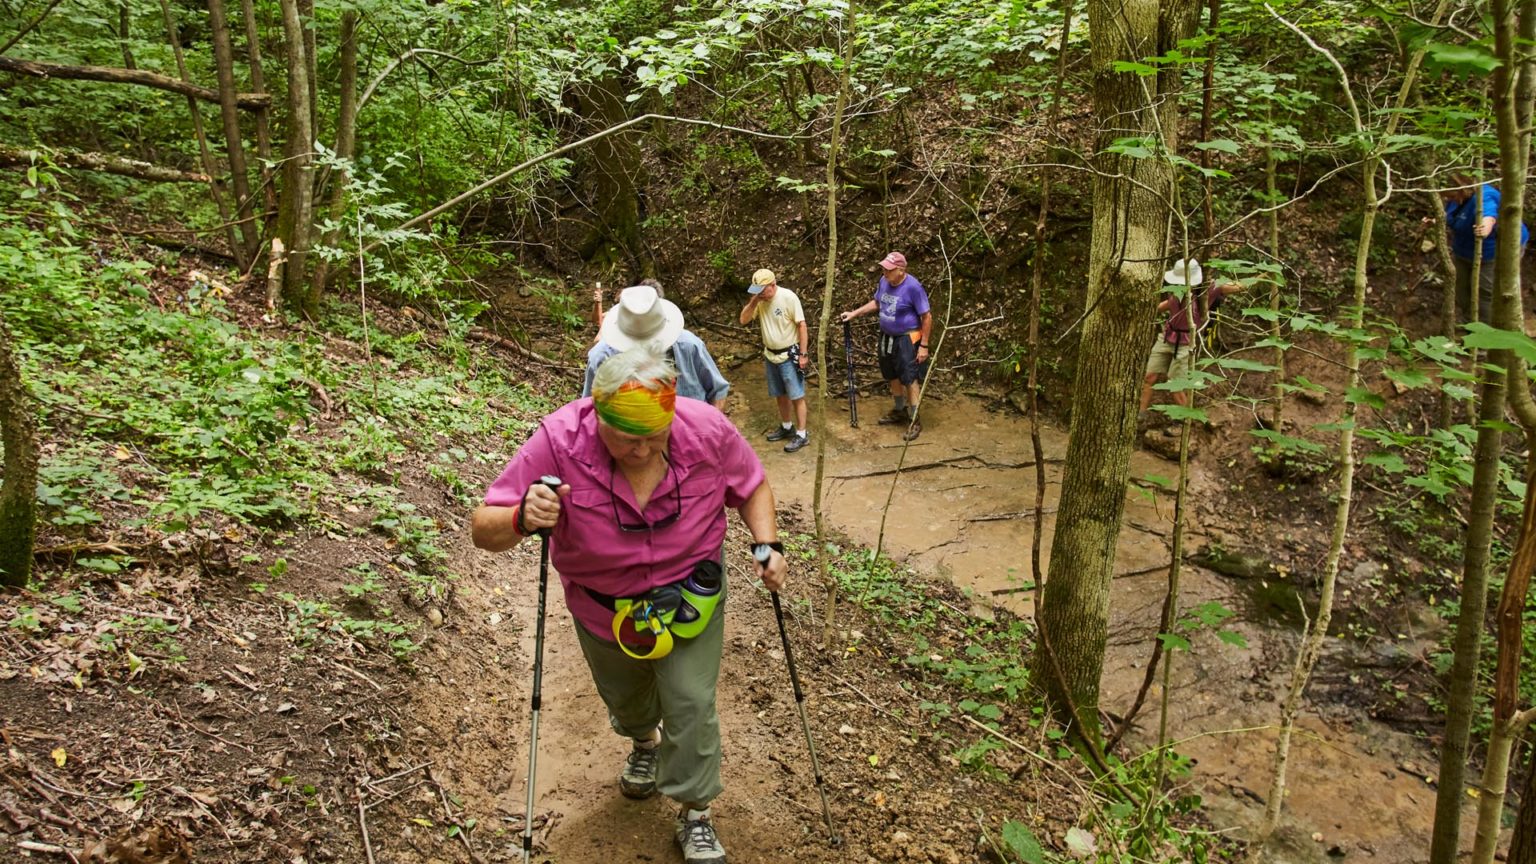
215	188
346	141
615	167
296	210
1512	116
1130	220
263	120
234	148
249	101
18	492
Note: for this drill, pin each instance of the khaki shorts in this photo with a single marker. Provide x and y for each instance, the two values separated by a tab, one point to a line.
1169	361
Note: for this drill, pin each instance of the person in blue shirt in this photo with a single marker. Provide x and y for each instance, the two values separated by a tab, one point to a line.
1471	227
643	316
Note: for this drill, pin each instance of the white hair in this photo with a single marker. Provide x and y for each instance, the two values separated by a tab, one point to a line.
643	364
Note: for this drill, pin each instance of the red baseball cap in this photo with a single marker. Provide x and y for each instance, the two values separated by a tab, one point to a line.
893	261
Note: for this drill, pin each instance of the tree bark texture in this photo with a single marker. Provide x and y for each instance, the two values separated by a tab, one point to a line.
125	33
1508	90
1522	845
263	118
1130	221
215	188
248	101
103	162
615	168
296	211
1513	91
18	491
229	113
346	142
824	327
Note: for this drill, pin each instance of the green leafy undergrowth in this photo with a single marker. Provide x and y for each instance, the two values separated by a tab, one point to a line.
161	410
965	664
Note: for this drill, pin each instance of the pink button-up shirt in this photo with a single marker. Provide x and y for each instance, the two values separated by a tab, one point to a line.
711	467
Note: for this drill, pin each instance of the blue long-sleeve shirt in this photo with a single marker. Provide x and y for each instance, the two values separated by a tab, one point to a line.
1462	219
697	375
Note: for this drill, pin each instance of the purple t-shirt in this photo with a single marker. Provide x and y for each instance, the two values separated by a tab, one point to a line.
902	306
712	467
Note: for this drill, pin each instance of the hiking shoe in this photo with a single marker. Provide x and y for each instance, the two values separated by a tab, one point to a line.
895	417
638	779
912	432
797	442
696	837
779	433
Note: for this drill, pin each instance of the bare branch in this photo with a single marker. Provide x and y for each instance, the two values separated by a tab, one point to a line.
106	163
248	101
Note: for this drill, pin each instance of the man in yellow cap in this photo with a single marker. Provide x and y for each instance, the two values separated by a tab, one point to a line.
786	353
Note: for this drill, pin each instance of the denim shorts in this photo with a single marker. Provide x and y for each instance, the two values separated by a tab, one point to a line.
784	379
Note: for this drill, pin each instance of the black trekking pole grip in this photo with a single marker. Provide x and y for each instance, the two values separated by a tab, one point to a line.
538	673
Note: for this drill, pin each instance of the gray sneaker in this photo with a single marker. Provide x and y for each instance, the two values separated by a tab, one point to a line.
696	837
638	779
797	442
778	433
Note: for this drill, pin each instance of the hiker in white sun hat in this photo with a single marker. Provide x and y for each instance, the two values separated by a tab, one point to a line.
642	317
1176	345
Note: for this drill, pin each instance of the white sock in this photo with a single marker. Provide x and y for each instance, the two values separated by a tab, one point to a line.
694	815
799	433
787	425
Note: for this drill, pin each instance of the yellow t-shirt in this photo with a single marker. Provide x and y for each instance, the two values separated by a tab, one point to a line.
780	319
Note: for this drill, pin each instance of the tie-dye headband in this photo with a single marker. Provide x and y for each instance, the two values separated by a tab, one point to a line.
638	410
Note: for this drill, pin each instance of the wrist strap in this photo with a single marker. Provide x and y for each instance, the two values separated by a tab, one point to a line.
519	525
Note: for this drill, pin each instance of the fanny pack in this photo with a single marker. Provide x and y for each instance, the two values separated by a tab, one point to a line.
680	610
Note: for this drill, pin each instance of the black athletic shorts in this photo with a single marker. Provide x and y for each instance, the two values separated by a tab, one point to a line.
898	359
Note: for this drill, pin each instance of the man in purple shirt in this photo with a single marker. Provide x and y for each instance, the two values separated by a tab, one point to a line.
905	324
647	477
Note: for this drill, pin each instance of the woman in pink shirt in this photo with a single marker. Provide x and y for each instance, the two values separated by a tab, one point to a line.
647	477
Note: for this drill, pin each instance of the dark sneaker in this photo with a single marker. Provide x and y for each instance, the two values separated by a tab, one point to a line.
797	442
895	417
913	431
638	779
696	837
779	433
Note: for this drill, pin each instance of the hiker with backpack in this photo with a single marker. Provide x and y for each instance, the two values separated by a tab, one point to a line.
786	353
635	528
642	315
1188	311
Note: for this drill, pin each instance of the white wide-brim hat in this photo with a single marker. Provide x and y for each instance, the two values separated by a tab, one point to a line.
1186	271
640	317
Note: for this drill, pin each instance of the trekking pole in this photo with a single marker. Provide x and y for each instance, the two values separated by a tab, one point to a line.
762	554
853	385
538	676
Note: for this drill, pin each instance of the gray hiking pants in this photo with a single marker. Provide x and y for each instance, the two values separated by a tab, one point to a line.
677	691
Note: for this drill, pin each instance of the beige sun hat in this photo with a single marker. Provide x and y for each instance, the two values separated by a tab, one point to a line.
640	317
1186	271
